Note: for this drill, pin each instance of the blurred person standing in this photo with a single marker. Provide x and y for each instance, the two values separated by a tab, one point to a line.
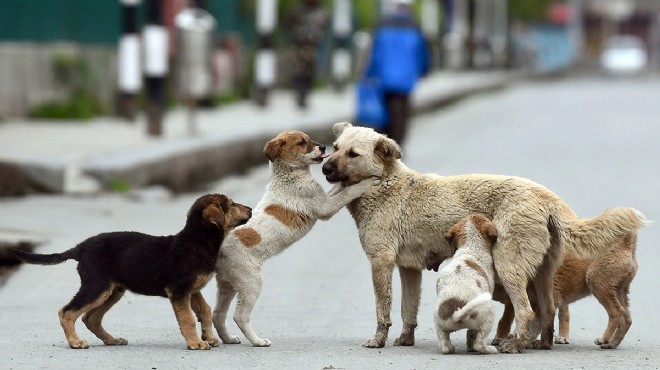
399	58
307	23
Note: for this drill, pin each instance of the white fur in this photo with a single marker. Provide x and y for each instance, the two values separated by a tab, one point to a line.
239	267
458	281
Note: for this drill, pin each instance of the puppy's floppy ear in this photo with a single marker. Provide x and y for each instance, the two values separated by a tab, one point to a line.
214	215
387	149
338	128
491	231
272	148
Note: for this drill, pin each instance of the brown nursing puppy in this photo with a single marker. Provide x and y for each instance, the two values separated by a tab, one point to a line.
607	277
175	266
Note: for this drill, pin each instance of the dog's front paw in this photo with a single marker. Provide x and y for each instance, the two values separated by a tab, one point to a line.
232	339
261	342
607	346
405	340
201	344
78	344
373	343
561	340
497	341
512	346
541	344
488	350
115	342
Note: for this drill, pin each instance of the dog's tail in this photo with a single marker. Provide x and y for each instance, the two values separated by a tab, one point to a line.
47	259
469	307
588	238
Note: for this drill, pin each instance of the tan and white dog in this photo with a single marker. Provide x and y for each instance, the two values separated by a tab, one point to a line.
293	202
401	221
465	285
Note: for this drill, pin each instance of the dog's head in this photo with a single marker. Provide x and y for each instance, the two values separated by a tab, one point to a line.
218	210
472	228
359	153
294	148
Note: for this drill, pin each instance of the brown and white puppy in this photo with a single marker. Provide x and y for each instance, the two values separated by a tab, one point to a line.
607	277
175	266
465	285
402	220
293	202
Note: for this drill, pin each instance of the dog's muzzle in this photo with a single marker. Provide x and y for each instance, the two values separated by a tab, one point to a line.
330	171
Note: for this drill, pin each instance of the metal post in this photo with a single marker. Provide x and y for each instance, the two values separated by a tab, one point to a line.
265	60
155	66
129	76
341	57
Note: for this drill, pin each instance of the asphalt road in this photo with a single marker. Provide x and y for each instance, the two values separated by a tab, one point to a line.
594	142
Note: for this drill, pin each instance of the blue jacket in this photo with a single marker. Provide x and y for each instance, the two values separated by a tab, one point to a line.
399	55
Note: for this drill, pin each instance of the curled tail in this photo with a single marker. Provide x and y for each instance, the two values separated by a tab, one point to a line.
589	238
470	306
47	259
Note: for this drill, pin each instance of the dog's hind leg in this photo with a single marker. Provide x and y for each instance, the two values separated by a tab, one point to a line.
92	294
543	285
626	321
203	312
226	294
504	325
616	304
445	343
564	324
515	283
411	286
247	298
92	319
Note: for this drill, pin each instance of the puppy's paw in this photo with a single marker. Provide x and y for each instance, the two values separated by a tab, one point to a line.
115	342
261	342
373	343
497	341
232	339
447	349
405	340
561	340
488	350
600	341
607	346
201	344
78	344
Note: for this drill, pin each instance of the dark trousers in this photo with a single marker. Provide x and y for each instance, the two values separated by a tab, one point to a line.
398	108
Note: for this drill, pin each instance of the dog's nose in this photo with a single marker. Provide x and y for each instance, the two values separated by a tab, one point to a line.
322	148
328	169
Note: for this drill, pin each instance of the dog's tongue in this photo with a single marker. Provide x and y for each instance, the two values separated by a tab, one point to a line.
326	155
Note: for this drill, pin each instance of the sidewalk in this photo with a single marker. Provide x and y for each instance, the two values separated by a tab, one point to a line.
85	157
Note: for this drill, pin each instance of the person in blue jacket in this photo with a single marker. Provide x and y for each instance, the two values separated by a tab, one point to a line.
399	58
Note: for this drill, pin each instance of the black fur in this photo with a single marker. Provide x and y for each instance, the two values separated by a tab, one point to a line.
146	264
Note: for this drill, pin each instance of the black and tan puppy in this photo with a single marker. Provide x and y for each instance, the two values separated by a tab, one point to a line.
175	266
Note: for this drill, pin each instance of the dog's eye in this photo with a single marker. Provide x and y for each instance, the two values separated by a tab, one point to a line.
335	148
352	154
301	143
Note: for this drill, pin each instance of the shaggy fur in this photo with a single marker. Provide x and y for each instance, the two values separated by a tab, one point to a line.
402	220
465	285
293	202
175	266
607	277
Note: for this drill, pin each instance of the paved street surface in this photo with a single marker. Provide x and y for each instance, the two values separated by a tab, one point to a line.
593	142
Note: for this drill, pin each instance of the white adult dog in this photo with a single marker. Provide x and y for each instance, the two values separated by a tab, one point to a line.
293	202
465	285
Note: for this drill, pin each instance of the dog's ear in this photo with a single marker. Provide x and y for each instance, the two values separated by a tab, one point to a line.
272	148
338	128
387	149
214	215
491	231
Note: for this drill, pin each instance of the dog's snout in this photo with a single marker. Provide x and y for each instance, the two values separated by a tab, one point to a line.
322	148
328	169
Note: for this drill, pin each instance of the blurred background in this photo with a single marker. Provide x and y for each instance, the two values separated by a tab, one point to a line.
80	59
